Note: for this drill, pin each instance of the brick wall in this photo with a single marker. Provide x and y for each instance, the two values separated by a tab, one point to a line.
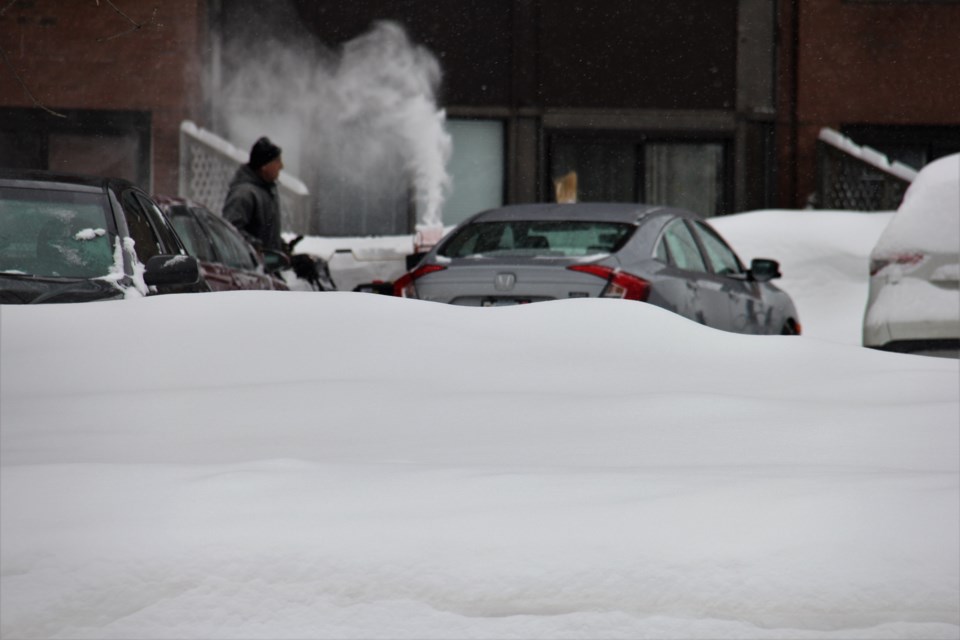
84	55
870	63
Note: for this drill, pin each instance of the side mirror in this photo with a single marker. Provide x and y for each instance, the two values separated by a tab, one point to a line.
172	270
274	261
764	269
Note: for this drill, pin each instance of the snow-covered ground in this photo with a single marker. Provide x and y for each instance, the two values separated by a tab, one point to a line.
341	465
824	257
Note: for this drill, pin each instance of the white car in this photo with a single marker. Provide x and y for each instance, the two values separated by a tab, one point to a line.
914	300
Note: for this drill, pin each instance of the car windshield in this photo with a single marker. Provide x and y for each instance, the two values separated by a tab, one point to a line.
548	238
59	234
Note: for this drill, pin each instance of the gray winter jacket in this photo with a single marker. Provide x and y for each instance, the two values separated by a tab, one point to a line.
253	207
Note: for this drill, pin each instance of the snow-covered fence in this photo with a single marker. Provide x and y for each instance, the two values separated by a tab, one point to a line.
850	176
207	164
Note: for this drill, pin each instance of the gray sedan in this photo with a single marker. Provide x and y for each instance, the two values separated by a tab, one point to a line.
660	255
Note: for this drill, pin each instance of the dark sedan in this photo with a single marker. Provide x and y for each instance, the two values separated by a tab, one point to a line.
227	260
74	238
660	255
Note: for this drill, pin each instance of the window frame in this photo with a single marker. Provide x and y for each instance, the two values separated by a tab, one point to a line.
682	223
702	232
169	240
139	227
638	140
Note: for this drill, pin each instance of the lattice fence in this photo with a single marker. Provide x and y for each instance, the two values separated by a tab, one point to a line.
207	164
857	178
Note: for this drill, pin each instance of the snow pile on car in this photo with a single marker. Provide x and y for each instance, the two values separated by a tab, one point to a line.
928	219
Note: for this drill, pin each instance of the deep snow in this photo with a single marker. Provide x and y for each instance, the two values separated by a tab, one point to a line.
340	465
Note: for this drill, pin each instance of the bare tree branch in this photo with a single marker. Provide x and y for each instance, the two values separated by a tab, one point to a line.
115	8
6	61
136	25
36	103
8	5
9	65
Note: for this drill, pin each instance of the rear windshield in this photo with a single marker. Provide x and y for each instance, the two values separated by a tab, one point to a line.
54	233
553	238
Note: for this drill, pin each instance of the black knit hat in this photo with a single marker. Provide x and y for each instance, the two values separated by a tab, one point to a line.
263	152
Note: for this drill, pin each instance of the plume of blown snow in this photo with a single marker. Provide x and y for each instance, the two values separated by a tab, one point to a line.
360	126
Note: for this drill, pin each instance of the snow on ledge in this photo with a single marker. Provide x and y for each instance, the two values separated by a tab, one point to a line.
867	154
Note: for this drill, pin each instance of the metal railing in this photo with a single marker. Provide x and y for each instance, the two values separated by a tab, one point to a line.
857	178
207	164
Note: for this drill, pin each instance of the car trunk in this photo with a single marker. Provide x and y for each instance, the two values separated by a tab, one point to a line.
496	283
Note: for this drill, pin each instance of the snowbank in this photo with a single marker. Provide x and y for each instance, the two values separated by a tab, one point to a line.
374	467
824	257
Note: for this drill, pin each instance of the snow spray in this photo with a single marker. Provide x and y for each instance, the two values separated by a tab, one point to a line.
360	126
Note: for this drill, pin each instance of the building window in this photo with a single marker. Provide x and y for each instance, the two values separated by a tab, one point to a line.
104	143
98	154
687	175
691	174
606	169
476	168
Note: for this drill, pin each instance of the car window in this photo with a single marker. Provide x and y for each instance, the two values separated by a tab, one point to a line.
146	243
191	233
662	253
722	259
54	233
683	249
168	238
558	238
232	248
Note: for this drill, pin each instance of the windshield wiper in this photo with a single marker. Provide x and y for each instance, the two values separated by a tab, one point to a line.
20	288
75	287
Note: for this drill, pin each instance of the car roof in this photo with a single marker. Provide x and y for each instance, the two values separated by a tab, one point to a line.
61	181
165	200
169	203
628	212
162	200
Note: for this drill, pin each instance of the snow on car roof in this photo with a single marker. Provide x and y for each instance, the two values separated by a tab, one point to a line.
928	219
606	211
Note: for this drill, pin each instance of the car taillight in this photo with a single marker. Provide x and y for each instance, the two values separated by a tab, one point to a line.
620	284
403	286
877	265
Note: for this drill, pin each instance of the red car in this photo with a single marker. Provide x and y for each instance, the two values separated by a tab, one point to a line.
227	260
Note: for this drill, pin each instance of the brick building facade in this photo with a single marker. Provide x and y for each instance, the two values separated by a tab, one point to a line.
84	87
737	88
882	72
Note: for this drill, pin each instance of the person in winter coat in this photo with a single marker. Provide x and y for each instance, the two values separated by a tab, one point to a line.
253	204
